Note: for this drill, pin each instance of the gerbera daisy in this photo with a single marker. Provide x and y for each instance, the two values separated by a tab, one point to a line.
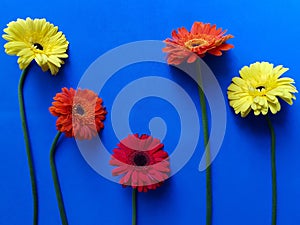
259	87
36	39
203	38
80	113
142	162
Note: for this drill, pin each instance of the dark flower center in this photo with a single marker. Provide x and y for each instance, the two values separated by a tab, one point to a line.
38	46
260	88
79	110
140	159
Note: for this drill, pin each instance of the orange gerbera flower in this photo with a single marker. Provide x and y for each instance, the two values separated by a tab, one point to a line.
203	38
80	113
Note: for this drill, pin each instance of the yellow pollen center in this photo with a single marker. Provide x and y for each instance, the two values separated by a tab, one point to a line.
196	42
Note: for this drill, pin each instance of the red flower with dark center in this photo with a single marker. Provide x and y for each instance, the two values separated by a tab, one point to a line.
203	38
80	113
142	162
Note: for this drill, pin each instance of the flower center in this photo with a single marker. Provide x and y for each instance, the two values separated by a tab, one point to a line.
196	42
38	46
79	110
259	88
140	159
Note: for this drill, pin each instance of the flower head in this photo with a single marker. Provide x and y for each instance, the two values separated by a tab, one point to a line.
80	113
259	88
203	38
36	39
142	162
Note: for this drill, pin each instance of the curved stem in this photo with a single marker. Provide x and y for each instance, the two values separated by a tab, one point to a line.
59	198
207	148
274	176
27	145
134	193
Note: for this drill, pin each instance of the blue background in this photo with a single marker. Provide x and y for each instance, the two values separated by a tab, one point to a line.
264	30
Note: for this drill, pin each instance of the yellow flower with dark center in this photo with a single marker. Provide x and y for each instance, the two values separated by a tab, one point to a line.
36	39
259	87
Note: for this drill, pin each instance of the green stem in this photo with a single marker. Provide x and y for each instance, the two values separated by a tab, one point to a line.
27	145
274	176
134	193
208	154
56	181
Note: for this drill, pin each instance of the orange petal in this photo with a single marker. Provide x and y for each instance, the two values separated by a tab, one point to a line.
225	47
215	52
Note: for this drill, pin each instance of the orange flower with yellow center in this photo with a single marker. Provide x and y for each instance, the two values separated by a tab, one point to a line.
203	38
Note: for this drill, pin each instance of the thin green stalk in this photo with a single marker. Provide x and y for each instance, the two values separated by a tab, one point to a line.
59	198
28	148
134	193
274	176
208	154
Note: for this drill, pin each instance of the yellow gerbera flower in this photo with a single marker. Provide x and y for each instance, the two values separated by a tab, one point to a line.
36	39
258	89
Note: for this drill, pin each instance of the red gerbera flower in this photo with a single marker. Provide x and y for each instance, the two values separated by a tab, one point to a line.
80	113
203	38
142	162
